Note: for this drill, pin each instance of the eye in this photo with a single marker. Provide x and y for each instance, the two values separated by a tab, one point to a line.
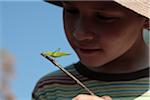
71	10
106	18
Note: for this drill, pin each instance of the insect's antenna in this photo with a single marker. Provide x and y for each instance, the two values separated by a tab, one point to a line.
57	50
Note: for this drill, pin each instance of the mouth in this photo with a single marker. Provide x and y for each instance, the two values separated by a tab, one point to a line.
89	51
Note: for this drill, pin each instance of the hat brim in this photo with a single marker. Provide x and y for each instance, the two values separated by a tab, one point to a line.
138	11
57	3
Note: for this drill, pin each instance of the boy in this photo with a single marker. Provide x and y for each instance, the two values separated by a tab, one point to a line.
107	37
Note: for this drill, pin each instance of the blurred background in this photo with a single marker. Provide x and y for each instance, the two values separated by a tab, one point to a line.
28	28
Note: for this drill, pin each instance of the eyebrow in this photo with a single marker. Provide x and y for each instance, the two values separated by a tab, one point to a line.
106	5
70	3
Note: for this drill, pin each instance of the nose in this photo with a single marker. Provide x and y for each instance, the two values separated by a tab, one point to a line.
83	31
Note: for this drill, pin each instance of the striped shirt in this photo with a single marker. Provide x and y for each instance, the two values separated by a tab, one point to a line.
58	86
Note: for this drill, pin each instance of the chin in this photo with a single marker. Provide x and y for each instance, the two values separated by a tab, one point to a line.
92	63
92	60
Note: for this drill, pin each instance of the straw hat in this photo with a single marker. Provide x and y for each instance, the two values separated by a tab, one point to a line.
141	7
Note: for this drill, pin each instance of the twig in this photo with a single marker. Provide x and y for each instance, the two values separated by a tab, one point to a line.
68	73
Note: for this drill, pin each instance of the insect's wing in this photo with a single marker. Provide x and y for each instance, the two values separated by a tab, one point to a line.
59	54
48	53
55	54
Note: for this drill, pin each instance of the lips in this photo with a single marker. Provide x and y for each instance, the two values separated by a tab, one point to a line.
89	51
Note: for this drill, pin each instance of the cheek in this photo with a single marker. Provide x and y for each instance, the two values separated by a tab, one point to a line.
68	26
69	22
119	43
112	32
117	40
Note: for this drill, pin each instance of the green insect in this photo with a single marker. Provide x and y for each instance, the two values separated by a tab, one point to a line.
55	54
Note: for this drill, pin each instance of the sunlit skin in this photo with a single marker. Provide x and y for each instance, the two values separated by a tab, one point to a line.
106	37
88	97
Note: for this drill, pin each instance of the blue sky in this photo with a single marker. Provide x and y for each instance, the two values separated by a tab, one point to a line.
27	29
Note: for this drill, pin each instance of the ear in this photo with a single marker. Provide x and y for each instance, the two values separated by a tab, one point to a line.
147	24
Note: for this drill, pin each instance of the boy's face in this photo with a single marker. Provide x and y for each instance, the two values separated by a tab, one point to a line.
100	31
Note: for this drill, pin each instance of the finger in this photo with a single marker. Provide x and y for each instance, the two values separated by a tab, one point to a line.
107	97
87	97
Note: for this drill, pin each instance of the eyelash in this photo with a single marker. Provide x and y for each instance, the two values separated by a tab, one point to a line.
105	18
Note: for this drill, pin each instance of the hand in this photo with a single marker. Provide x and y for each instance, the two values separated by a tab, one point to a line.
90	97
